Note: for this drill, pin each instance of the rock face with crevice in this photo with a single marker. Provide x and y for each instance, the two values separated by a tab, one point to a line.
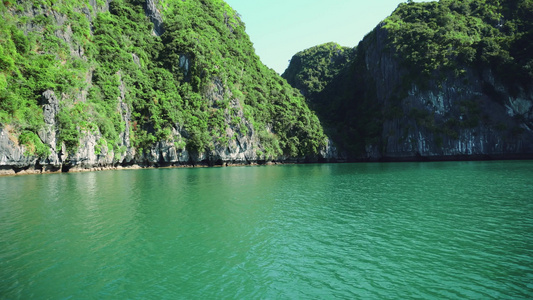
151	10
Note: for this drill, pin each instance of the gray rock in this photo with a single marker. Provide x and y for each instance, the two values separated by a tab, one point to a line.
86	156
184	64
50	107
150	8
11	153
48	134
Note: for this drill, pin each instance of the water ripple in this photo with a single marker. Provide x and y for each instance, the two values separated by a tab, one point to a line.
438	230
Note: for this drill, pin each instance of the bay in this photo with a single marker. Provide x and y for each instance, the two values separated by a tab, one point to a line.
450	230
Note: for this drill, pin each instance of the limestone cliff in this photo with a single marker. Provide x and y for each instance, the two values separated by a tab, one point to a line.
473	114
422	85
134	83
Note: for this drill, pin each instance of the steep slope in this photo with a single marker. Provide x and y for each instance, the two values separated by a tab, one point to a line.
312	70
97	84
436	80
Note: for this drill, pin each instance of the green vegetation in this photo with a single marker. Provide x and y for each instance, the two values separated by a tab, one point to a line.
452	35
198	77
33	144
221	56
327	74
32	63
313	69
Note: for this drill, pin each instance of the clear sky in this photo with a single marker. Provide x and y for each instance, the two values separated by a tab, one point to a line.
281	28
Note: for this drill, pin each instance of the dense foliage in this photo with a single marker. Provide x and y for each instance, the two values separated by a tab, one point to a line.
452	35
34	61
313	69
199	77
212	36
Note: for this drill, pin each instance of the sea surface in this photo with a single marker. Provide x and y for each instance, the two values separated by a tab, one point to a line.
442	230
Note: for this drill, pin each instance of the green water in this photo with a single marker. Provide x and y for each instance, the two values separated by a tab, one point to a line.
450	230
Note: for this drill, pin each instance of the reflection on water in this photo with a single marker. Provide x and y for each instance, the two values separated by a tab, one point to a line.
401	230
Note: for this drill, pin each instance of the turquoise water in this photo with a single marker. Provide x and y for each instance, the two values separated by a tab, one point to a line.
447	230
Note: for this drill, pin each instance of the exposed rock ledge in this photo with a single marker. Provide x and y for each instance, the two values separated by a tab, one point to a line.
15	159
6	171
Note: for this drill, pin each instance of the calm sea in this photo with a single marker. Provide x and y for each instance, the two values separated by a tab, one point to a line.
443	230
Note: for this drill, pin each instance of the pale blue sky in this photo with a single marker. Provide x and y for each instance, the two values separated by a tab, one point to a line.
281	28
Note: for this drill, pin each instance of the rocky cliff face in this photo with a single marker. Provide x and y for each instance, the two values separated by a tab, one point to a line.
240	140
396	100
452	116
